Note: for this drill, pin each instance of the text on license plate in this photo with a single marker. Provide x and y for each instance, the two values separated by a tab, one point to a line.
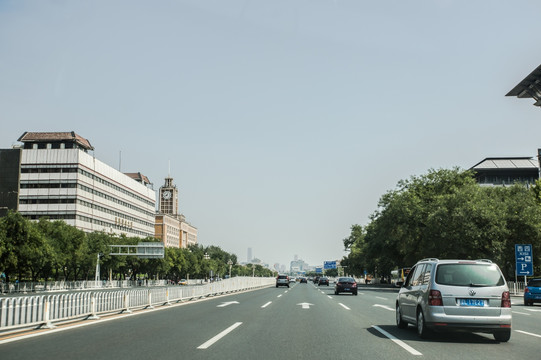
471	302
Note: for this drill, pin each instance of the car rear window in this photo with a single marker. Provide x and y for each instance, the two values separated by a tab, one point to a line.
535	283
282	277
469	275
345	279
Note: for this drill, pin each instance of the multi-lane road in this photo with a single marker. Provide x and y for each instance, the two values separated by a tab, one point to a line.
302	322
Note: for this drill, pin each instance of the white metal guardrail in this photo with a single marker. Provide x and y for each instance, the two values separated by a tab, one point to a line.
44	310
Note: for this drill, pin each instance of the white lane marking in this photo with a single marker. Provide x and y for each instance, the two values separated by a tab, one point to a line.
329	297
227	303
398	342
306	305
361	293
279	295
384	306
533	310
267	304
521	313
219	336
527	333
382	298
344	306
286	291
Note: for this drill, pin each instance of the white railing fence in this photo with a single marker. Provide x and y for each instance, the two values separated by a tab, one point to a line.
44	310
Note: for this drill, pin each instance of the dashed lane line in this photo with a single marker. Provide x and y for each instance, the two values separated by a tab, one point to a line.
267	304
219	336
527	333
397	341
344	306
521	313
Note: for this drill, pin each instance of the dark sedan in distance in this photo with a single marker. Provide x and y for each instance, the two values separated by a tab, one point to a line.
323	281
345	284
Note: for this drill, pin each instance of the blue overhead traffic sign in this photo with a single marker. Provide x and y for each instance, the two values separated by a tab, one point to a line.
319	270
329	265
524	259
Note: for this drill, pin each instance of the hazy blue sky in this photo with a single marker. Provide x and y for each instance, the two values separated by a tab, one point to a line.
284	121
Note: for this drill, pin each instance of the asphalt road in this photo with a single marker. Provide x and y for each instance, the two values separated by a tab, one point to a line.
302	322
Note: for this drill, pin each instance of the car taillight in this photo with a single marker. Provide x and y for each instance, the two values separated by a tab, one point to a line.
354	285
506	300
338	283
526	290
434	298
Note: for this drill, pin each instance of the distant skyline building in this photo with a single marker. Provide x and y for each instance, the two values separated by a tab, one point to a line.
249	256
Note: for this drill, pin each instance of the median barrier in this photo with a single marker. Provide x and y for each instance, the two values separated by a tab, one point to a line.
45	310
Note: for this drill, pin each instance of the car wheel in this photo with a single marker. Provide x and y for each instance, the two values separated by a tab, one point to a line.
335	292
287	285
422	330
526	303
355	293
503	336
401	324
276	285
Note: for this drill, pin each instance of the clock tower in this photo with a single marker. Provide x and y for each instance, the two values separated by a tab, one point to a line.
168	197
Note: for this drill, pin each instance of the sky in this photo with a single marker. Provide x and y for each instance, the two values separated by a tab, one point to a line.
282	122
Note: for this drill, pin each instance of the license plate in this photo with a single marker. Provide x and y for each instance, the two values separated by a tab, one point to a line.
471	302
347	289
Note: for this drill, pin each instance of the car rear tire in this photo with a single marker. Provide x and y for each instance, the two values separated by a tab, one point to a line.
503	336
401	324
422	330
336	292
355	293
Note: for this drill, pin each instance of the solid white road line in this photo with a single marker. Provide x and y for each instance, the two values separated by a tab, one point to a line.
384	306
344	306
398	342
521	313
219	336
382	298
267	304
527	333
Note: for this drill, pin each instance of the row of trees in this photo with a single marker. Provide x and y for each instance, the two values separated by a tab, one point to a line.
446	214
54	250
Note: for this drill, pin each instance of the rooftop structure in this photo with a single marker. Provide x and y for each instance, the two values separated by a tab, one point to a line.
506	170
530	87
55	140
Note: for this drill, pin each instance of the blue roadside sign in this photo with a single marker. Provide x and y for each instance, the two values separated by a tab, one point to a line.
524	259
319	270
329	265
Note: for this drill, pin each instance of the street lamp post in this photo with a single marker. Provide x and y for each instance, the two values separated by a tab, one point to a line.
253	270
230	263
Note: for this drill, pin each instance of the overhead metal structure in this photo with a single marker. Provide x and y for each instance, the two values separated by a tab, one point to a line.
530	87
143	250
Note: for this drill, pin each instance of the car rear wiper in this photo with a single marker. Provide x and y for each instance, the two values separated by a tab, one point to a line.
478	285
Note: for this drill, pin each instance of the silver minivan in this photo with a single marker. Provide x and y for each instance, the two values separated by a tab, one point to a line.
464	295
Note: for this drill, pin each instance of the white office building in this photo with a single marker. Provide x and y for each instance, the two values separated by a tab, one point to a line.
60	179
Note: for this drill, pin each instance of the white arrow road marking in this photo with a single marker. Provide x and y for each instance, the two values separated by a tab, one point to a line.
227	303
267	304
306	305
384	306
398	342
344	306
527	333
219	336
